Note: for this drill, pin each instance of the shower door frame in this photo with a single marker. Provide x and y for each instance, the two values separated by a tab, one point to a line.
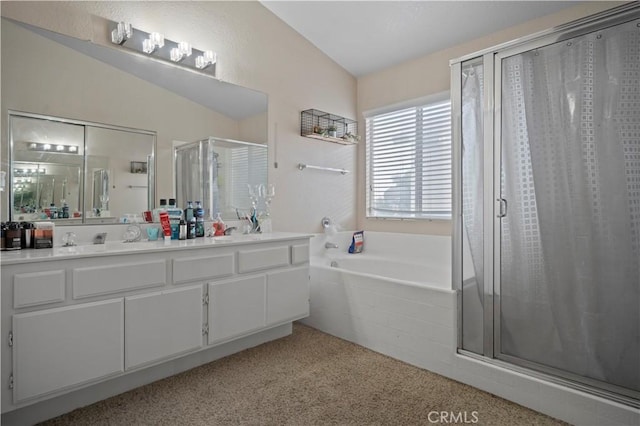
492	161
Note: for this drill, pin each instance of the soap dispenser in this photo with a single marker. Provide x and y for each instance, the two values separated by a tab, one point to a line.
218	226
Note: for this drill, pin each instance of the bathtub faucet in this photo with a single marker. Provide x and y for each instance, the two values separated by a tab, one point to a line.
329	245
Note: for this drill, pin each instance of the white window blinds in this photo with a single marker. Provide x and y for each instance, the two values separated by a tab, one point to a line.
409	162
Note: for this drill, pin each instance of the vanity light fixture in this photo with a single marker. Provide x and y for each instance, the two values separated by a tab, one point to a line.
154	45
182	51
155	41
59	148
207	58
28	172
121	33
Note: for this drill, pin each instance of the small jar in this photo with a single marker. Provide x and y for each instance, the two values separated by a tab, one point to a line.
13	236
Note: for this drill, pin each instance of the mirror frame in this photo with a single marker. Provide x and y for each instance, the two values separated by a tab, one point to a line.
151	190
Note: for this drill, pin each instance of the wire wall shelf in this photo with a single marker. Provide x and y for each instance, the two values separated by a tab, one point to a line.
328	127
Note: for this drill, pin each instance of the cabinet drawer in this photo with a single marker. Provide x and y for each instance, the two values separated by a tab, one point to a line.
299	253
38	288
254	260
200	268
98	280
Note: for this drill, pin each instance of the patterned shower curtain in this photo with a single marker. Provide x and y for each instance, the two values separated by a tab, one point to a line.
570	243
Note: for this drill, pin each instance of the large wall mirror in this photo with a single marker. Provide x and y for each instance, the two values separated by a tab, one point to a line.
78	172
104	93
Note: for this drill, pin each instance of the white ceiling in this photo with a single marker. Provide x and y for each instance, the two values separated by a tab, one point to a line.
367	36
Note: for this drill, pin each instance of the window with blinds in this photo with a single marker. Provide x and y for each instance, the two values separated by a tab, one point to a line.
409	162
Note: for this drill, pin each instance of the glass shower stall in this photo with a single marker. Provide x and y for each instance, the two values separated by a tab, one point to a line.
547	218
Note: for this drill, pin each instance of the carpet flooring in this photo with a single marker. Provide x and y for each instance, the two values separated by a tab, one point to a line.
307	378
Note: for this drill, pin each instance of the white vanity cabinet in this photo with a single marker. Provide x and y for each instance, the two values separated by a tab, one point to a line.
236	307
287	300
162	324
73	319
58	348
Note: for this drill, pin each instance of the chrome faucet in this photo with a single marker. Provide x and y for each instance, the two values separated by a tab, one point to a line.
100	238
329	245
69	239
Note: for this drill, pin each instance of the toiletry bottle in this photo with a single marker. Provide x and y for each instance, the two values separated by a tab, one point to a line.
26	234
175	214
183	230
163	208
53	211
199	219
218	226
65	211
190	219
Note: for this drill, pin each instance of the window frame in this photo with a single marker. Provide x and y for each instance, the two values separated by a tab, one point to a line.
414	103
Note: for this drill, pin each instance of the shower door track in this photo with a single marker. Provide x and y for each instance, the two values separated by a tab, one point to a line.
560	377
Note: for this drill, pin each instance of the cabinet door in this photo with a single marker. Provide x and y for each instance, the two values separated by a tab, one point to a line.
59	348
162	324
287	295
236	307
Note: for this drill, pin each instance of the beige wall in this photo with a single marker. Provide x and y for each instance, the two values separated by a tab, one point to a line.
256	50
430	75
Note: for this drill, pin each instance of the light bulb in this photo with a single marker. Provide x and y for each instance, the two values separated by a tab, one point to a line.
155	40
182	51
121	33
207	58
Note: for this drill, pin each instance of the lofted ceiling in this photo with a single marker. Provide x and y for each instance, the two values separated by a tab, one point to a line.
368	36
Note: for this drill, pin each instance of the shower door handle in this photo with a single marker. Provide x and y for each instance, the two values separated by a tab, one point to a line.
502	212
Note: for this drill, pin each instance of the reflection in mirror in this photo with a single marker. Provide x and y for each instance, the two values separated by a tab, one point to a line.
218	172
100	202
42	189
50	159
116	179
45	173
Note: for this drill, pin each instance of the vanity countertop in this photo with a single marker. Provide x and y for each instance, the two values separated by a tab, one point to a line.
119	247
